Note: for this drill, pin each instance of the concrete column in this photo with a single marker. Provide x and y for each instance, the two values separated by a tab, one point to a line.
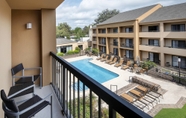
136	39
107	45
119	52
162	59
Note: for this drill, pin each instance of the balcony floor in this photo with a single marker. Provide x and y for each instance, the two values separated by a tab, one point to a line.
45	113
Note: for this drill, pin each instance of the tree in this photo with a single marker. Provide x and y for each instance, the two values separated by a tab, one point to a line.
63	30
86	30
78	32
105	14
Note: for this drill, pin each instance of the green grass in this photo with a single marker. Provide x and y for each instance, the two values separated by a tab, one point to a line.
172	113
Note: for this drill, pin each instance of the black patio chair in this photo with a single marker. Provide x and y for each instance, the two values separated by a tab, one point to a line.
25	79
20	90
25	110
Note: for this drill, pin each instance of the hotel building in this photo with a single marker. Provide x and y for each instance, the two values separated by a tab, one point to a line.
155	32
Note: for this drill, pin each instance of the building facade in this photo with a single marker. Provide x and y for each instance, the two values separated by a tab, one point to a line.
156	33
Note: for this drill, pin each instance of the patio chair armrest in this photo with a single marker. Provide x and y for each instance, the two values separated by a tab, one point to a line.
28	87
34	105
33	68
23	76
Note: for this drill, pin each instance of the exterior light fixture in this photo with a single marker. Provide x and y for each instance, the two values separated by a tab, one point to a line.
29	26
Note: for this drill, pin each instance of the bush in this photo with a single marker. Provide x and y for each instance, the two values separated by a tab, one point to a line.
70	52
60	54
148	64
95	51
77	49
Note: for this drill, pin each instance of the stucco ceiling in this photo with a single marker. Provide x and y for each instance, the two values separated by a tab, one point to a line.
34	4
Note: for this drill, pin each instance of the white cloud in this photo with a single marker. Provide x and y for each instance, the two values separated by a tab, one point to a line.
86	11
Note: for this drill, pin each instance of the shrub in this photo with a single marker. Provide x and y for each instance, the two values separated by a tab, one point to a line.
95	51
60	54
148	64
77	49
70	52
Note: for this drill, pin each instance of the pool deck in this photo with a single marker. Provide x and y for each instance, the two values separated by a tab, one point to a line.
174	92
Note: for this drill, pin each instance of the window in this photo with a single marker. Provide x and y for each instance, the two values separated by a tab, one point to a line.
129	54
178	44
128	42
103	31
115	30
176	64
178	27
154	57
128	29
153	28
154	42
115	51
115	43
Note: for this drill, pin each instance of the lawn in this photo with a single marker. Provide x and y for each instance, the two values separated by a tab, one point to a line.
172	113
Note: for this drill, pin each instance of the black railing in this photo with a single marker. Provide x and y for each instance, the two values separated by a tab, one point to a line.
127	45
74	90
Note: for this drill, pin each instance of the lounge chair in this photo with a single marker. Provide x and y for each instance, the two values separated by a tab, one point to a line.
114	61
126	66
104	59
100	57
110	60
120	63
127	97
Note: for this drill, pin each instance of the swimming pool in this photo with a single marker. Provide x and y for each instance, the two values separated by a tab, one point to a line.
98	73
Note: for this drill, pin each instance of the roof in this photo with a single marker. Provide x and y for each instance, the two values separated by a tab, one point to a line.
128	15
60	41
172	12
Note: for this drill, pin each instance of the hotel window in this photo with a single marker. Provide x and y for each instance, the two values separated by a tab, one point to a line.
178	44
154	57
129	54
153	28
115	51
175	62
154	42
115	30
128	29
128	42
178	27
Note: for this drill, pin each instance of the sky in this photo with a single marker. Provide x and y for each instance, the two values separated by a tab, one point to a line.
80	13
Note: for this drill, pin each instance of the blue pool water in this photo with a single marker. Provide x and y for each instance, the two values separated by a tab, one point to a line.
97	73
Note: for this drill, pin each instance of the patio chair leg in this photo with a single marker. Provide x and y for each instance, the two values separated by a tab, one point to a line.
51	107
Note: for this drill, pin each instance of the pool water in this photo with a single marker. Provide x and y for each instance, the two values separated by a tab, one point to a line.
98	73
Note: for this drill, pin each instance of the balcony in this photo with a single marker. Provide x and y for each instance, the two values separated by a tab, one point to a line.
174	34
149	48
174	51
67	81
147	34
127	45
102	43
115	44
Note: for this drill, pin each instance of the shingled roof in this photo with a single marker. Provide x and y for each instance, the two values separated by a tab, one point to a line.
60	41
172	12
128	15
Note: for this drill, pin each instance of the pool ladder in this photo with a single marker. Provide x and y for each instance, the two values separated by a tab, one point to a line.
116	88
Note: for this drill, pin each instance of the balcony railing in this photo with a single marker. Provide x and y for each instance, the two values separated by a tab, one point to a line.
157	45
175	47
67	82
114	43
102	43
127	45
150	31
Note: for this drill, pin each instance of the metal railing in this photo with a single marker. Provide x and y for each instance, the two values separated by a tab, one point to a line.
75	91
157	45
127	45
168	46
